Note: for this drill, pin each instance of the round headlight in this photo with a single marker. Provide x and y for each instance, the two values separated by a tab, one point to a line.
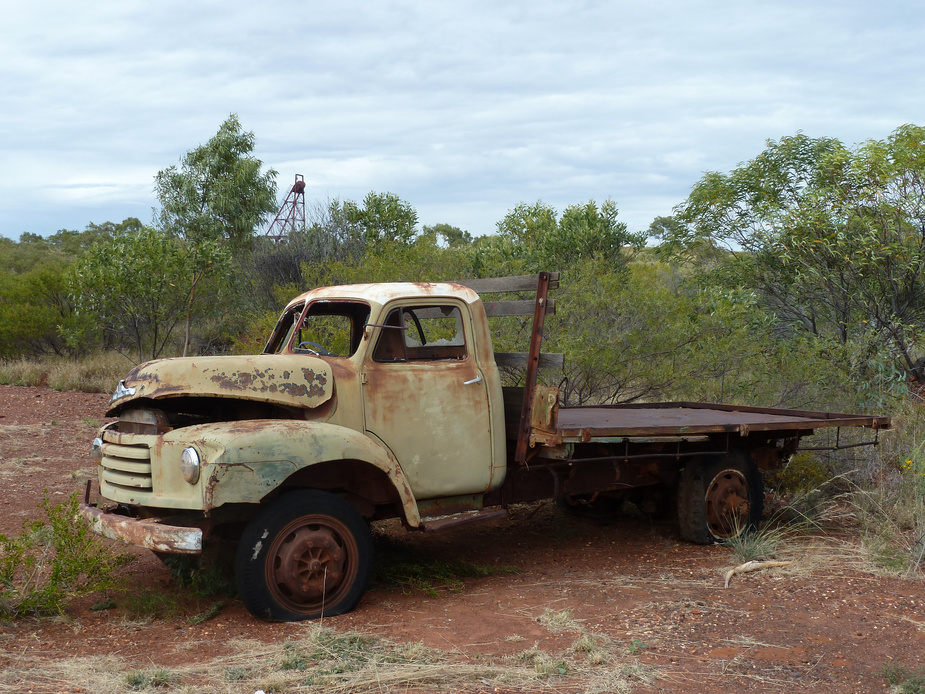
189	465
96	448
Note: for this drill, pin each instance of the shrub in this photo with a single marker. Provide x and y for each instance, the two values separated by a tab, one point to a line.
50	562
145	679
902	680
802	473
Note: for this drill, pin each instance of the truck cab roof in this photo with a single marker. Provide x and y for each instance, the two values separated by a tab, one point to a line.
382	293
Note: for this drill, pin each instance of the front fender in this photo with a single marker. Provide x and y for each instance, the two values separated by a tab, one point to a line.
245	461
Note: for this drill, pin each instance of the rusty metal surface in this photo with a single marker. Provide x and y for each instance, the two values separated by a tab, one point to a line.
533	365
727	506
310	561
170	539
244	461
285	379
586	423
386	292
439	429
457	519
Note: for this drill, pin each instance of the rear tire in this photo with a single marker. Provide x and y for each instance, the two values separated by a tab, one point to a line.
719	498
308	555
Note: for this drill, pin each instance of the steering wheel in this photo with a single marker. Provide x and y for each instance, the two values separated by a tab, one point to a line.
315	349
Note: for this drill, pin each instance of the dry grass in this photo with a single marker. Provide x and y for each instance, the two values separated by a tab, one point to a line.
96	374
333	662
559	621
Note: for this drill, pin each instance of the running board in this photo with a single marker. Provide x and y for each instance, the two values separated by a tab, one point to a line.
443	522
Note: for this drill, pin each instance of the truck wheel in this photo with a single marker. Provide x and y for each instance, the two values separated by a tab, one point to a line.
719	498
308	555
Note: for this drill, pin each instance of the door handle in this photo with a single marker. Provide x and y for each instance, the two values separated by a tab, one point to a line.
477	379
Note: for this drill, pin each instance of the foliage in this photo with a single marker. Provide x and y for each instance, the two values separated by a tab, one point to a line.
398	566
34	304
73	243
650	333
640	330
332	235
214	202
219	192
141	284
209	273
337	232
387	261
138	680
759	544
448	235
613	334
383	217
892	518
903	680
545	242
832	239
131	286
914	472
48	563
38	316
760	311
804	472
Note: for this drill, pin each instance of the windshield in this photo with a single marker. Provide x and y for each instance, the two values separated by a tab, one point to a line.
327	328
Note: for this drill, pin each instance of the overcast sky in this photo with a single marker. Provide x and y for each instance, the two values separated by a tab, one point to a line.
463	109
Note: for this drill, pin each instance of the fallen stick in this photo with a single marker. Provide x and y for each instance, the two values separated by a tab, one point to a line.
750	566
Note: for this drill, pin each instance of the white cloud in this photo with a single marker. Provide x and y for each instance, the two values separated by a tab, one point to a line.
463	109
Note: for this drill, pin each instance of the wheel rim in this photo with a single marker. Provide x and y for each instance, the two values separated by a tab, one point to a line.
727	504
311	564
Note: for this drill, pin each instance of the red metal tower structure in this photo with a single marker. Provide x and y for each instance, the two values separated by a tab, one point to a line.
291	215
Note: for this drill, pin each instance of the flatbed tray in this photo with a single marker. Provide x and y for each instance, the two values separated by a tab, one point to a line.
693	418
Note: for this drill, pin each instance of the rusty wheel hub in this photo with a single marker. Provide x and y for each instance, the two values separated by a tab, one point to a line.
727	504
309	564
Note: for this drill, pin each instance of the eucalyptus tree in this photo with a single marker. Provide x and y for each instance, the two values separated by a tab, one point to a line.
219	192
832	238
136	286
547	241
213	202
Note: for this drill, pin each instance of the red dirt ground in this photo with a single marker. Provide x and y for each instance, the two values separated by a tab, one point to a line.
825	624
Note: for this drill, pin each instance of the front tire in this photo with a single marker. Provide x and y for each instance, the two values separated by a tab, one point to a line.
308	555
719	498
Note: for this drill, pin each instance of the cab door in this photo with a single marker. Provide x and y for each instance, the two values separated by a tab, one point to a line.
425	397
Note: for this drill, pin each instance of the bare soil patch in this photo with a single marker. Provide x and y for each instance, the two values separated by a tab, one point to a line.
827	623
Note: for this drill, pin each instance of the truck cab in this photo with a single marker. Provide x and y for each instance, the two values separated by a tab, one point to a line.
371	399
414	370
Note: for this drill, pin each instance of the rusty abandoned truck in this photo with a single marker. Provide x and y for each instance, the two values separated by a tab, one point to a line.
379	401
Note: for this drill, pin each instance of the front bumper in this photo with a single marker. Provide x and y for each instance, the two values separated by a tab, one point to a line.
170	539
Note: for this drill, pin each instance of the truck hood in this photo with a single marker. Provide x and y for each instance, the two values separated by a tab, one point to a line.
294	380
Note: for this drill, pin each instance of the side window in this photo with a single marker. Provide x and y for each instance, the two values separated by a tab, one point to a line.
422	333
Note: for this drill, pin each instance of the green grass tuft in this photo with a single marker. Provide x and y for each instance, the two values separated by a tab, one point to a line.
401	566
902	680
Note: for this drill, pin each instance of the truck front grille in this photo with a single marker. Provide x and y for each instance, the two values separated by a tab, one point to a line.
127	467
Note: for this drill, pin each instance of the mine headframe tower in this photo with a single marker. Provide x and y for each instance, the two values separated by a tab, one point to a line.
291	215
